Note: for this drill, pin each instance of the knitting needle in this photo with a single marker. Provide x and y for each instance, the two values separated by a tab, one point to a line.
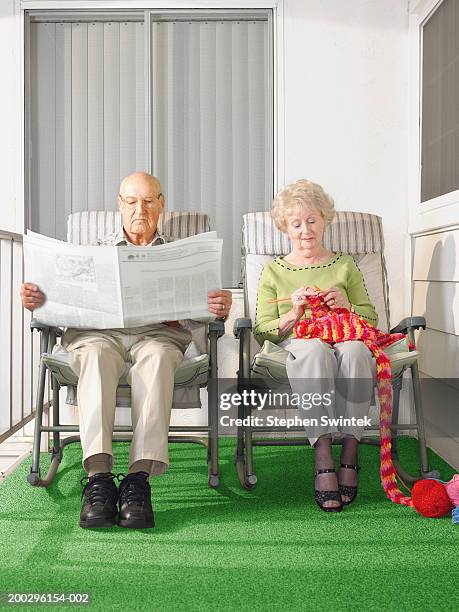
274	300
289	299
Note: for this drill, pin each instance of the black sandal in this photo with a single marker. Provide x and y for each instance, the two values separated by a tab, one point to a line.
322	497
348	490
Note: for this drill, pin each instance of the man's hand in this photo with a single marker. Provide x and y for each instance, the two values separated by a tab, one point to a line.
31	296
219	302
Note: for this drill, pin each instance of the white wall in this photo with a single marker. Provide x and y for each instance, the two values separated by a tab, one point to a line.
346	79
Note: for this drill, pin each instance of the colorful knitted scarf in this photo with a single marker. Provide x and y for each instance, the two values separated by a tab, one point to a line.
340	325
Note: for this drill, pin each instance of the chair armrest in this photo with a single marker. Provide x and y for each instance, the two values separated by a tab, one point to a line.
217	327
243	331
409	324
48	335
240	324
42	327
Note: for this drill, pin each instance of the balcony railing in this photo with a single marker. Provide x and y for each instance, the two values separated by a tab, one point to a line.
19	350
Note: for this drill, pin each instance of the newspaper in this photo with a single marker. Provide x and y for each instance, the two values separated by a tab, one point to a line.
107	287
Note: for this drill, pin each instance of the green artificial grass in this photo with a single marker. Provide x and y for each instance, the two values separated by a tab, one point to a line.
228	549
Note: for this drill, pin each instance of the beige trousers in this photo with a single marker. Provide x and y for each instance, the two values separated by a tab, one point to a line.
100	358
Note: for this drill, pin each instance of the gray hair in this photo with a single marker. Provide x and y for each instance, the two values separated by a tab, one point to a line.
304	194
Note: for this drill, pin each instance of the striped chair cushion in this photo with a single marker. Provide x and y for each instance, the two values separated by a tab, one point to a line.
86	227
350	232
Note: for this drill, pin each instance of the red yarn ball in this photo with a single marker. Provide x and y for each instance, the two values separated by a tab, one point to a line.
430	498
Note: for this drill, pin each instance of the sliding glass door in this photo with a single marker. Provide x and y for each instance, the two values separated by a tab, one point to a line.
186	96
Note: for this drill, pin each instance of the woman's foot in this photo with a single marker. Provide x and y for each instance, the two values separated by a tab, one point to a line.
326	483
348	471
348	491
326	491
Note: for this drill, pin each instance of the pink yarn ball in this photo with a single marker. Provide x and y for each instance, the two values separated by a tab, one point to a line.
452	488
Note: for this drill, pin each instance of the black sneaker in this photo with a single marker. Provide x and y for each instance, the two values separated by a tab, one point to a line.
135	501
100	497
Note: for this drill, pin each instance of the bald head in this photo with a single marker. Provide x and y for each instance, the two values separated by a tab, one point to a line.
141	203
140	181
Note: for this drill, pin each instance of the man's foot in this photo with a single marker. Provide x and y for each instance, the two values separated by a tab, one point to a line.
135	501
99	506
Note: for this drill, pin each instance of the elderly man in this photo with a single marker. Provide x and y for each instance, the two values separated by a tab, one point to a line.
99	356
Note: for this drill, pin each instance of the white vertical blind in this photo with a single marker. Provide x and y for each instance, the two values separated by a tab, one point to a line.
43	128
87	117
211	132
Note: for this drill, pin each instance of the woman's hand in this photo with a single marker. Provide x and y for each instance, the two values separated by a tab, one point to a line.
335	298
299	305
299	300
31	296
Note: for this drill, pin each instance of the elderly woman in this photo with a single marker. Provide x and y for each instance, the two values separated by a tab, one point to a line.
302	210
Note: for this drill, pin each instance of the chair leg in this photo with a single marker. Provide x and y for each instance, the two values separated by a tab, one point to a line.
423	458
56	419
239	458
212	457
56	460
247	480
251	479
57	450
244	454
34	476
244	449
396	388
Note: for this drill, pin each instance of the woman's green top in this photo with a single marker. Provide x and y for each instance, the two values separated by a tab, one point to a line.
280	279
